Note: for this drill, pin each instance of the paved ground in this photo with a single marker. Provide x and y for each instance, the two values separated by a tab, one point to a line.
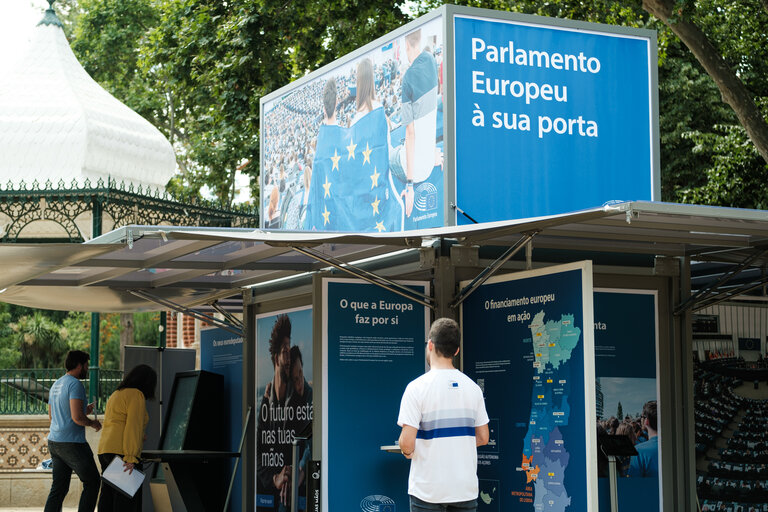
36	509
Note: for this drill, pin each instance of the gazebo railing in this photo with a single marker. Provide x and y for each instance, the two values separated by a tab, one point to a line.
25	391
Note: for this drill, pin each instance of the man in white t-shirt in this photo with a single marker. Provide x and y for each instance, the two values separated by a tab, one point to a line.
444	420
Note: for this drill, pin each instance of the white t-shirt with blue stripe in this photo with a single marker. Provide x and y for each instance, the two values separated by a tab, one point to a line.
446	406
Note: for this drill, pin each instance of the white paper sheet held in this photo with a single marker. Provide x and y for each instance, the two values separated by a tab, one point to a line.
115	476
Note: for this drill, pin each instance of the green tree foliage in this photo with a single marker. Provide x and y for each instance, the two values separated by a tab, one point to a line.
78	331
724	166
728	39
40	341
145	329
197	69
9	352
620	412
688	103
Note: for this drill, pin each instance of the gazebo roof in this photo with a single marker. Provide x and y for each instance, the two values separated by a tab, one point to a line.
57	123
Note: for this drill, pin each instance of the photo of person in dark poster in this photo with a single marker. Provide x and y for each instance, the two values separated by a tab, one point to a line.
284	385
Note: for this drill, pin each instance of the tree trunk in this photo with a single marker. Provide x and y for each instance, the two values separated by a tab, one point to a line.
732	90
126	335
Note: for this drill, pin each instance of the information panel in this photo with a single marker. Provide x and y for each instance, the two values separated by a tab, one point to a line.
373	346
563	117
222	352
626	334
527	341
284	392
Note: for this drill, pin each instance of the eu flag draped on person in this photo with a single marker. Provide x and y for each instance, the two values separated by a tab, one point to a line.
351	188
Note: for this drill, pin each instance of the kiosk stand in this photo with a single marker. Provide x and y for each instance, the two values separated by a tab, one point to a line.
613	447
191	458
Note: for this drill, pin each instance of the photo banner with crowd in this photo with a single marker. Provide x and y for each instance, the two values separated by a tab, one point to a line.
360	147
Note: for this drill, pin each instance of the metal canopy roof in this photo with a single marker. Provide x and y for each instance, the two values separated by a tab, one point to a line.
193	266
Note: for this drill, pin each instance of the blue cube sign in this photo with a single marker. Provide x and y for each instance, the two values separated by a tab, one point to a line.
509	116
550	119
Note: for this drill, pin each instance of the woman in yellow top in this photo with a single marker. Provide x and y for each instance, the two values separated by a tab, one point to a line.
122	433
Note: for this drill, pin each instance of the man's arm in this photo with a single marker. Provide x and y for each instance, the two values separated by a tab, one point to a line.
407	440
482	435
49	413
79	417
410	155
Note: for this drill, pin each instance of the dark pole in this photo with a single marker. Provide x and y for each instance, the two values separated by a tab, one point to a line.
93	387
162	341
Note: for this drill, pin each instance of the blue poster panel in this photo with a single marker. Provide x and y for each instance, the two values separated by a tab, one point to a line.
284	394
528	343
373	346
358	146
564	117
626	334
222	352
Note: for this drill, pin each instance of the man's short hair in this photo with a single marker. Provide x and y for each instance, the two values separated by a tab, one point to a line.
74	358
650	412
444	334
413	38
280	331
329	98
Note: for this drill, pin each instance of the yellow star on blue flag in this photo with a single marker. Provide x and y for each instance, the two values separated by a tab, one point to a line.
336	157
367	154
351	149
327	187
326	216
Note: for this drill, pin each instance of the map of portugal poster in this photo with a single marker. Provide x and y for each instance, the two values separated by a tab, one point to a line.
528	341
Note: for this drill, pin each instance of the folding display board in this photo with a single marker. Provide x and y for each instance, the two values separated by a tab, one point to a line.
528	343
222	352
372	347
626	378
284	392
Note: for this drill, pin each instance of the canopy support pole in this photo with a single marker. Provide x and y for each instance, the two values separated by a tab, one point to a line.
226	314
701	295
486	274
237	331
723	296
94	366
372	278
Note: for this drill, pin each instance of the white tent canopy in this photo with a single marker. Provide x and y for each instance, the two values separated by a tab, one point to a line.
58	124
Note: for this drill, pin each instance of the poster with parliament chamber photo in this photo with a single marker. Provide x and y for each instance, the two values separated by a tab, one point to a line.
358	145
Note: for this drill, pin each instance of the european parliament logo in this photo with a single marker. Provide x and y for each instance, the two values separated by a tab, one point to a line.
377	503
425	197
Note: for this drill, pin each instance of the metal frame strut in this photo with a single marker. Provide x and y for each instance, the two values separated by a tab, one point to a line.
237	331
494	267
370	277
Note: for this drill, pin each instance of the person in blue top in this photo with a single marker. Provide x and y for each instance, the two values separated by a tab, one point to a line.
646	462
68	413
414	161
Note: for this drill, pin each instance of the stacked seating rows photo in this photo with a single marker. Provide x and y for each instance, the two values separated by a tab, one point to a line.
731	441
